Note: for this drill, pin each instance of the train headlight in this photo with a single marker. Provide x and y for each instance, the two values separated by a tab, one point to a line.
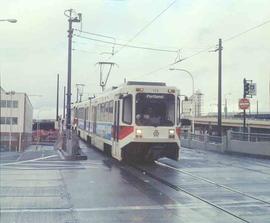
138	133
171	133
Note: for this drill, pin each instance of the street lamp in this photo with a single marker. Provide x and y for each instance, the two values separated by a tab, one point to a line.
8	20
193	95
226	105
79	91
10	116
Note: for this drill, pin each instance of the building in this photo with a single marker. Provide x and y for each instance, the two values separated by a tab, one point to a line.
16	114
194	103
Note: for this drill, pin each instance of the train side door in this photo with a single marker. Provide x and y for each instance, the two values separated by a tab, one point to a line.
116	128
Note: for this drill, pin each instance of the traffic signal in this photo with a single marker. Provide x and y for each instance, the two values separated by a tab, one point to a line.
246	88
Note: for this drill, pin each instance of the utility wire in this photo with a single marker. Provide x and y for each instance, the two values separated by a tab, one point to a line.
94	34
144	28
208	48
111	37
226	40
126	45
246	31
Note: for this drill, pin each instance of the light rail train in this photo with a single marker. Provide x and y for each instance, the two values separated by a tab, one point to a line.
137	121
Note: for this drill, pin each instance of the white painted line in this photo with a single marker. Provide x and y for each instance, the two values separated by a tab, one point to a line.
26	161
19	157
60	154
119	208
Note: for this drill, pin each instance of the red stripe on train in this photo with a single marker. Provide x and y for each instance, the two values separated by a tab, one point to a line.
178	131
124	131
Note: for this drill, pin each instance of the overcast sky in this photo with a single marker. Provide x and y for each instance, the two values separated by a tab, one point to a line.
34	49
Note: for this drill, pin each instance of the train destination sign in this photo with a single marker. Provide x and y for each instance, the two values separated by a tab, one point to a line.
244	103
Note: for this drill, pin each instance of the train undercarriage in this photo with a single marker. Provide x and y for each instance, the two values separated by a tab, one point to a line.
149	152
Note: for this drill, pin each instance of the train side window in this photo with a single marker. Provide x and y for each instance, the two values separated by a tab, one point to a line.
111	111
98	112
107	112
103	112
127	109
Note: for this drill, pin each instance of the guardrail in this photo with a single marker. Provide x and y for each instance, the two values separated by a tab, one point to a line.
250	137
239	142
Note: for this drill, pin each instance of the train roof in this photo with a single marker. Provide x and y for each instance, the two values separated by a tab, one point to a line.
118	89
146	83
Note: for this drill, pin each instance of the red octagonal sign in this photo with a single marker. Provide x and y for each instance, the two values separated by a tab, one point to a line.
244	103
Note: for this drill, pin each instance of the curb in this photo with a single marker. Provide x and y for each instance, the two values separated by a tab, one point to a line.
69	157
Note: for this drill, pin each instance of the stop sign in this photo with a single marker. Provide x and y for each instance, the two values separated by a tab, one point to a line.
244	103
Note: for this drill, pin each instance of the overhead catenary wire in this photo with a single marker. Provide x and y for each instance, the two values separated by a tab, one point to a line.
246	31
144	28
206	49
151	45
227	39
125	45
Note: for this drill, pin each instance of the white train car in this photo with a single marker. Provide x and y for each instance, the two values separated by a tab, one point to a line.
136	121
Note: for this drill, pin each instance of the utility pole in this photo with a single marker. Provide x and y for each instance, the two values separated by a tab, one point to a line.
77	94
64	106
257	107
71	18
57	98
244	96
219	87
226	108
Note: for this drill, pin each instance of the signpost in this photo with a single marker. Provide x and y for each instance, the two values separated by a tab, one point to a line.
250	89
244	103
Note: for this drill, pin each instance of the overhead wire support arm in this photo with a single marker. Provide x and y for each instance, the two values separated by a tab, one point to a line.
102	82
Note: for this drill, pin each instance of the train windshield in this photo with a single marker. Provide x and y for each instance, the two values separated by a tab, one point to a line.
155	109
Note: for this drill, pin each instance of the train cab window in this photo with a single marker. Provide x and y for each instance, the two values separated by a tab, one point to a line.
155	109
127	109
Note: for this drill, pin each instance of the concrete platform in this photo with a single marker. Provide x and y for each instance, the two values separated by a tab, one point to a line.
45	188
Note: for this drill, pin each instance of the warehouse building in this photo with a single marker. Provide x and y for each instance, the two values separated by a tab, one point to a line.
16	121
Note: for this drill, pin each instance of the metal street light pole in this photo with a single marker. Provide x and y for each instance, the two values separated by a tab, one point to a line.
226	105
38	128
71	19
193	95
79	92
57	98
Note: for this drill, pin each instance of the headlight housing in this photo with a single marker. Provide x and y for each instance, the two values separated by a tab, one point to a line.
138	133
171	133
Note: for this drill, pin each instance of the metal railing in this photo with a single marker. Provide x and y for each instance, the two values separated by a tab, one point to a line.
250	137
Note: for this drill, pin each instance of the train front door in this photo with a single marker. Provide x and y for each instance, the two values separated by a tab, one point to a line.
115	133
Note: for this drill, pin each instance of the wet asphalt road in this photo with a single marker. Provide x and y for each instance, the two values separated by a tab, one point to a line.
38	186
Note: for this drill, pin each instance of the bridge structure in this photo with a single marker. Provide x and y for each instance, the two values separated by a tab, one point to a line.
209	124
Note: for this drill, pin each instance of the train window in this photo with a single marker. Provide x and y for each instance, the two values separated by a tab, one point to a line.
127	109
103	112
86	113
111	111
155	109
178	111
98	112
107	111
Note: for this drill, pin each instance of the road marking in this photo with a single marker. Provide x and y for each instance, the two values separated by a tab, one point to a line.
26	161
119	208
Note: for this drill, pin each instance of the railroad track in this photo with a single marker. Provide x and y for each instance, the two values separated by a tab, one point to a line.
213	183
148	172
